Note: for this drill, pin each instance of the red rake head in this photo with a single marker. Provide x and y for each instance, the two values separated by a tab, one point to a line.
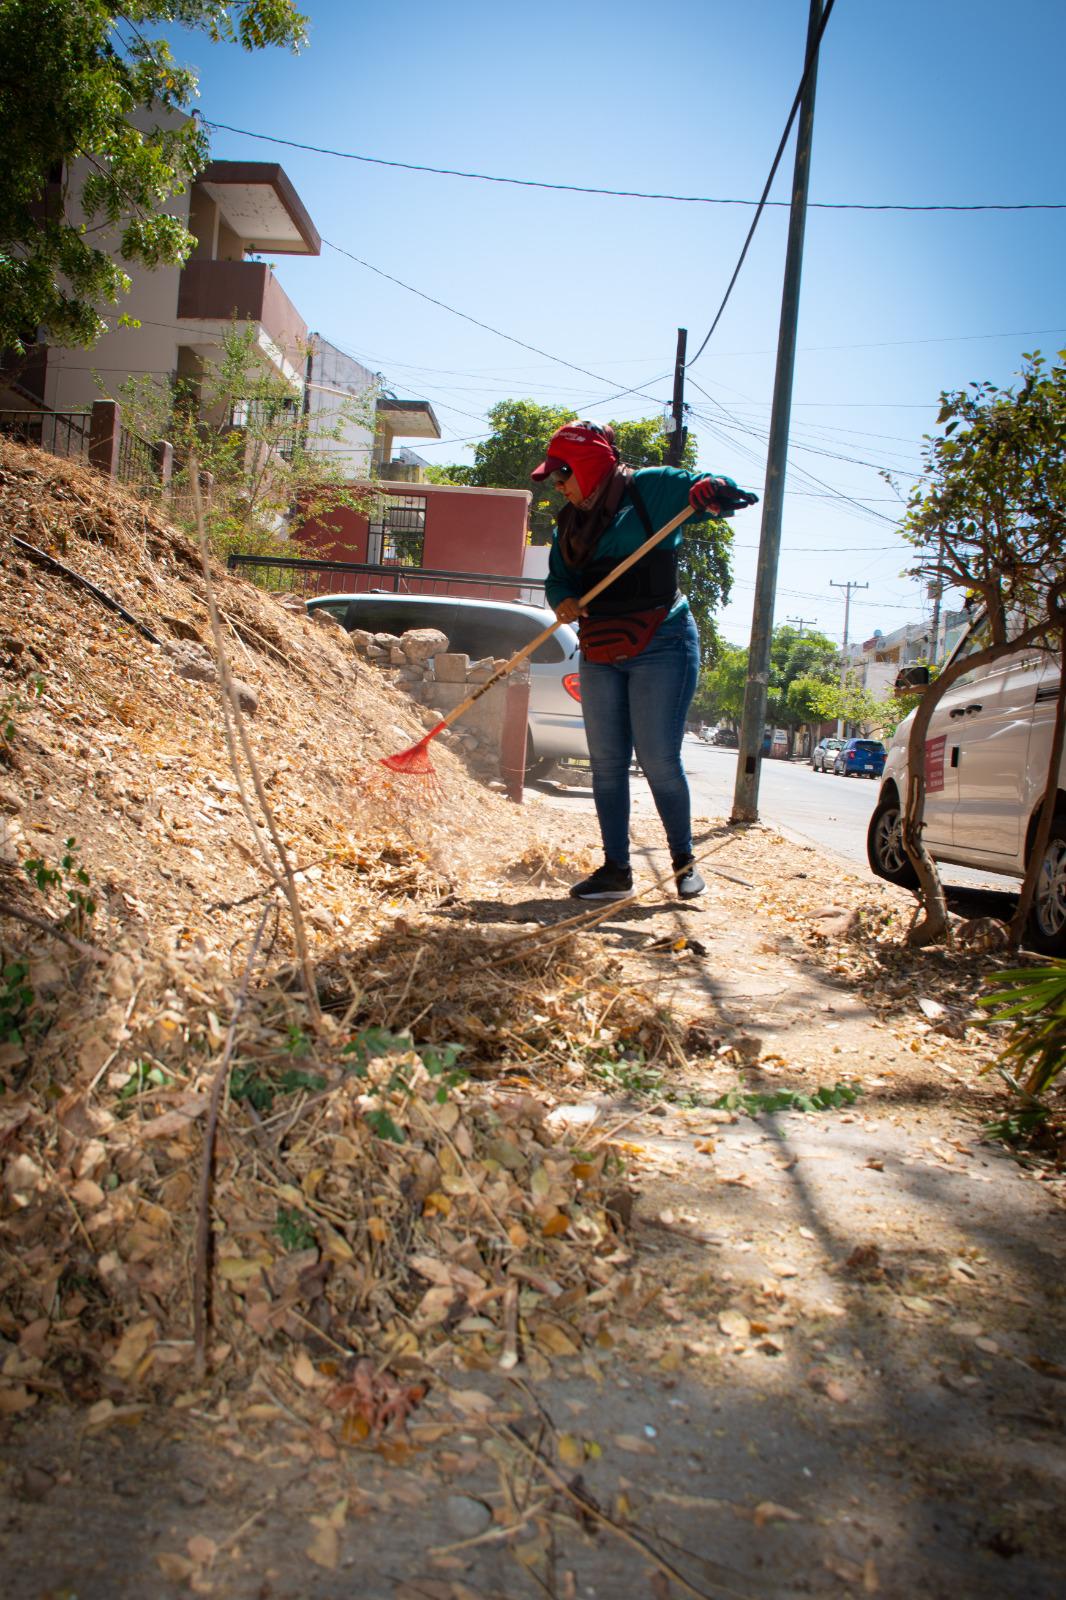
415	761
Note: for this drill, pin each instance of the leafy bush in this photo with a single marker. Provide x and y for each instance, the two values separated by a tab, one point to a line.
1033	1000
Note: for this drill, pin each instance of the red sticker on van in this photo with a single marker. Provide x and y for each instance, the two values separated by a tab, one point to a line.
934	763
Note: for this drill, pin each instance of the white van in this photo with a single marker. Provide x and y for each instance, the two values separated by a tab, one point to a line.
986	761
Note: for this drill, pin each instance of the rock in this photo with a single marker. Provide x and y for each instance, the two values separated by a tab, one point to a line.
451	668
396	656
324	618
360	640
197	671
181	629
420	644
247	697
481	672
467	1516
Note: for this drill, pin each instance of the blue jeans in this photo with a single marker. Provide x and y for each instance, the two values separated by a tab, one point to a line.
640	705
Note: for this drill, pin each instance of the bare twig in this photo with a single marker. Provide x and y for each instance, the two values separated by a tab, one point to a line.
589	1508
125	1024
203	1227
92	952
234	723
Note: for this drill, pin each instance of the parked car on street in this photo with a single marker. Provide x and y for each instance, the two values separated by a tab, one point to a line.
497	628
725	738
986	758
824	754
860	758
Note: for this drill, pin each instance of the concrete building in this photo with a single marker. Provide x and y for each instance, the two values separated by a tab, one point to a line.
236	209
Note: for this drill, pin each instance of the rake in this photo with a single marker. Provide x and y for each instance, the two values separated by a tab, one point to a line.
415	763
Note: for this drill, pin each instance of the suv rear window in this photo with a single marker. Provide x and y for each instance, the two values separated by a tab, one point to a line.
867	744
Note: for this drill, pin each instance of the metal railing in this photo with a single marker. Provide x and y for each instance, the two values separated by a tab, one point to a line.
137	467
309	576
61	433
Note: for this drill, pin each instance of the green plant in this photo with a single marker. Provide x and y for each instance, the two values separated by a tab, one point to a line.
629	1073
398	1086
259	1084
144	1077
1019	1125
293	1229
71	878
822	1099
16	998
1033	1000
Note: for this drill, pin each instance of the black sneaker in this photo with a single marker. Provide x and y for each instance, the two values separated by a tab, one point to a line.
609	882
689	880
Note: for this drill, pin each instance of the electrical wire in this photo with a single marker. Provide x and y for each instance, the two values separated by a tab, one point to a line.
625	194
808	68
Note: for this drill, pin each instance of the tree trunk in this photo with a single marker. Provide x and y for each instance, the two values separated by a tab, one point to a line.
935	924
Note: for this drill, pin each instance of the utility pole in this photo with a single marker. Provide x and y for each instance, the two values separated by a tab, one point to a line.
801	622
847	587
749	756
675	443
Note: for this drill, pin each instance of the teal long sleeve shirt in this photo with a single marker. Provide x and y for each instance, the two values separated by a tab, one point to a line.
665	492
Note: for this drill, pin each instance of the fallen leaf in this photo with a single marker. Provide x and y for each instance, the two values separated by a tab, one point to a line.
635	1444
734	1323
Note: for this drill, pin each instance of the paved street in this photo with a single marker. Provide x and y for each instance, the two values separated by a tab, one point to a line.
819	808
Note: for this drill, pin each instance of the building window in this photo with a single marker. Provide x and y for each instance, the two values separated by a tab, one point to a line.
397	536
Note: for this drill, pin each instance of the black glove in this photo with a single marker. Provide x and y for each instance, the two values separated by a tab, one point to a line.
719	496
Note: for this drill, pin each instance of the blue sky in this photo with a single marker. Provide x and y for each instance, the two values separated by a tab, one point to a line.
921	102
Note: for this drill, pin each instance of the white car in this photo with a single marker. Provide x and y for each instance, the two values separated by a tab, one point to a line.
480	628
986	759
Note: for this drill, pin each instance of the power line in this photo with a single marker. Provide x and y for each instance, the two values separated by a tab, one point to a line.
488	328
625	194
808	68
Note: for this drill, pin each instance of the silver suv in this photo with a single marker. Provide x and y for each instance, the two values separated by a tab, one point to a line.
480	628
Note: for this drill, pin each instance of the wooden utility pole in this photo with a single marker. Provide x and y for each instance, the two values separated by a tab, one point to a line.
801	622
749	756
675	444
847	588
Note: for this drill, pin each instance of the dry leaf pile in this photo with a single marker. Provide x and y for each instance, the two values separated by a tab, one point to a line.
386	1183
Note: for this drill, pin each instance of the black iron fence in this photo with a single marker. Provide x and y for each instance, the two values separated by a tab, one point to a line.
61	433
312	576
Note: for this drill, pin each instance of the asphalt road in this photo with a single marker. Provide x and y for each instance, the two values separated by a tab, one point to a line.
830	812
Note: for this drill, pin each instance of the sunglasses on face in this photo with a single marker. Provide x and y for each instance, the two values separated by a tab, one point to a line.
559	476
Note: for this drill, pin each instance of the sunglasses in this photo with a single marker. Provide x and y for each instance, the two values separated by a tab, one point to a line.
559	476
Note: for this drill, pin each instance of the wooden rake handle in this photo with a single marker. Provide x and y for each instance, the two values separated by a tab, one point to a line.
534	644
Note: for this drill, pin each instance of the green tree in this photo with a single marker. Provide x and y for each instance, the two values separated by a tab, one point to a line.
519	439
719	694
75	71
242	423
797	658
988	516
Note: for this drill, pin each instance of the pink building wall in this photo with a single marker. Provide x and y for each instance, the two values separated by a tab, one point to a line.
467	530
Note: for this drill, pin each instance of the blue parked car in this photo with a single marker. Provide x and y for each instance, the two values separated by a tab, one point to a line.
860	758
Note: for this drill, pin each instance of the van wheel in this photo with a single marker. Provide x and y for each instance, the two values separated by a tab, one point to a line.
540	767
884	845
1047	919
